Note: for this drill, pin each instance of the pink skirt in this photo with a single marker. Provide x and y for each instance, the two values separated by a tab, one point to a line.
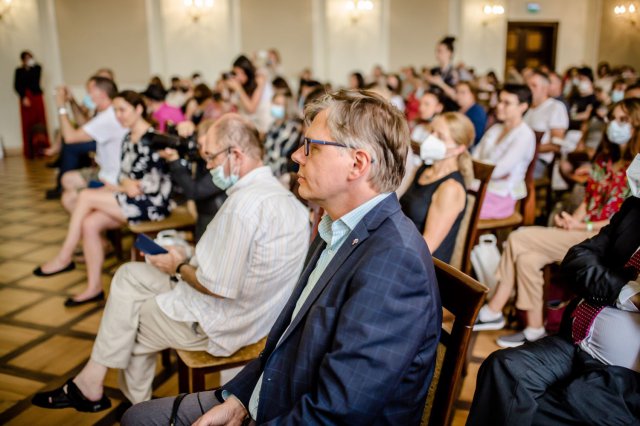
497	207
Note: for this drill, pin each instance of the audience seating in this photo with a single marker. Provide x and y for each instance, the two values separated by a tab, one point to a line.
193	366
462	296
468	231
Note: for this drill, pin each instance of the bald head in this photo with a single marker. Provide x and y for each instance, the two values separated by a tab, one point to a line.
233	130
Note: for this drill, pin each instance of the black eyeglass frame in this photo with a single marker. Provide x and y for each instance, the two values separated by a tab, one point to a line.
306	142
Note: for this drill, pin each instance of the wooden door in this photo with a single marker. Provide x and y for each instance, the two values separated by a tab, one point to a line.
531	44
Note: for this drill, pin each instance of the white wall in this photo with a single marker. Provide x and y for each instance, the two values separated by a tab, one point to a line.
483	39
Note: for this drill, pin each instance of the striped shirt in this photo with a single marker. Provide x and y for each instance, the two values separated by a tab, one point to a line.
251	254
334	233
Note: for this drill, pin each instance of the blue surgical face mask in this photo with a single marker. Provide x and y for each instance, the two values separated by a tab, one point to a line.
220	180
88	102
617	96
619	133
277	111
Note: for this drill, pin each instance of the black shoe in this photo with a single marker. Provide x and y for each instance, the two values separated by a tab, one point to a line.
72	397
53	194
70	303
38	271
54	164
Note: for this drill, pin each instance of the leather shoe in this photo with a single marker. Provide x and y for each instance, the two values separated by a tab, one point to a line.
69	303
39	273
72	397
53	194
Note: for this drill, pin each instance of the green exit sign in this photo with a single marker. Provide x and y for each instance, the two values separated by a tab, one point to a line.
533	7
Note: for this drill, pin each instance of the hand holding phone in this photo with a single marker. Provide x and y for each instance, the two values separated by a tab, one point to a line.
148	246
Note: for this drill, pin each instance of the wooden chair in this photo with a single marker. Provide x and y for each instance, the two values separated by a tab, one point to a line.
525	213
181	219
462	296
193	366
468	231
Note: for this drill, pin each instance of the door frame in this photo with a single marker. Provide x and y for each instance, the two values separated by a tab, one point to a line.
537	24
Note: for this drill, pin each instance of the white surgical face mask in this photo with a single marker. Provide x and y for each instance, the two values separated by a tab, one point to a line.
584	87
31	62
432	150
619	133
220	180
617	96
419	134
277	111
633	176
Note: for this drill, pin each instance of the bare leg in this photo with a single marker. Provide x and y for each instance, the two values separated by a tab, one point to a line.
90	380
89	200
92	227
72	182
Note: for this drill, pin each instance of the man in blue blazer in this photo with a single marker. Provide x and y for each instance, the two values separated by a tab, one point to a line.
356	342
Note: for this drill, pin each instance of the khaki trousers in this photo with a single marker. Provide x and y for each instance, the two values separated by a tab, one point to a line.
526	252
134	329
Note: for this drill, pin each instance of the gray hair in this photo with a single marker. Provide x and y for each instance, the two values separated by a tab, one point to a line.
362	119
235	130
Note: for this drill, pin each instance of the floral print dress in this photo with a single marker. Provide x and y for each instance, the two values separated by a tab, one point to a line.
606	189
141	163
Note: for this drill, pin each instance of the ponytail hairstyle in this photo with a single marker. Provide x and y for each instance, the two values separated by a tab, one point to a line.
462	133
448	42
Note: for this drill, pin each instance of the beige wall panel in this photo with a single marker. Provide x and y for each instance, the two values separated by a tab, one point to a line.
416	27
97	33
283	24
619	39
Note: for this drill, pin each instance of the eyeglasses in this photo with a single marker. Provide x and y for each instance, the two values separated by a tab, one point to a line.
211	157
307	142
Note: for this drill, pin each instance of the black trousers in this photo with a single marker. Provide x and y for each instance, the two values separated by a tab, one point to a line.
550	382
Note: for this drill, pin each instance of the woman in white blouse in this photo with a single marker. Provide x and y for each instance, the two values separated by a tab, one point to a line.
510	145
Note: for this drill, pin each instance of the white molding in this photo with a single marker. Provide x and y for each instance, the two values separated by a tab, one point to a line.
156	36
319	32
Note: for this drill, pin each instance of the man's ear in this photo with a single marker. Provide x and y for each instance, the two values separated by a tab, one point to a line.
362	161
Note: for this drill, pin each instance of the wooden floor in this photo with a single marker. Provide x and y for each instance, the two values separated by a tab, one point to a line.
42	343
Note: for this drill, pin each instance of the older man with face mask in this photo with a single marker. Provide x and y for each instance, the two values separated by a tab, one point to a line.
227	296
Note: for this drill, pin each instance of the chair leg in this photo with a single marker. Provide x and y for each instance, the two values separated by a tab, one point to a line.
197	380
166	358
183	377
469	354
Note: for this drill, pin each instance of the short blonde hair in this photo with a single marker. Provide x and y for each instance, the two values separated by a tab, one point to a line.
463	133
362	119
234	130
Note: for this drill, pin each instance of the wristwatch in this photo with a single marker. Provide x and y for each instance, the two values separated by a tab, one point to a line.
178	275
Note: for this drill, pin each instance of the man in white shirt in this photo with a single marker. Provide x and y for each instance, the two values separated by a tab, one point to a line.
547	116
227	296
103	128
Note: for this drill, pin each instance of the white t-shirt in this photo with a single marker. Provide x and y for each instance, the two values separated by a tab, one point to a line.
511	157
551	114
106	130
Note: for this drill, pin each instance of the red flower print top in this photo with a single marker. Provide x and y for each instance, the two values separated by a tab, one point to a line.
606	190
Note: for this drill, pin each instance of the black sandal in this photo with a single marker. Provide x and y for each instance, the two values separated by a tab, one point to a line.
73	398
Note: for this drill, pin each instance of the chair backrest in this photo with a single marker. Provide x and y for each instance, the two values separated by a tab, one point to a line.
468	232
528	204
462	296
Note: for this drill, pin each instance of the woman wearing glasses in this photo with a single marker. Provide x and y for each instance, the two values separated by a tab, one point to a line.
141	195
436	199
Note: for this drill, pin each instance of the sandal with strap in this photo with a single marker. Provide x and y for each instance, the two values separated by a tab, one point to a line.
72	397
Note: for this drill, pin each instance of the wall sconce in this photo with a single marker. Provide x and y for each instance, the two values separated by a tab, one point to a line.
197	8
5	5
357	8
630	12
491	10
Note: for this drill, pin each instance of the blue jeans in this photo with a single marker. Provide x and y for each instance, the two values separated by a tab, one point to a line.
74	156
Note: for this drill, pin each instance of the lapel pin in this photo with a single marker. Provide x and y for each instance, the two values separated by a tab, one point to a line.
354	242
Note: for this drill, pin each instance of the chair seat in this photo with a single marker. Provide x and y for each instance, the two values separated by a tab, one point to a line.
202	359
514	220
179	218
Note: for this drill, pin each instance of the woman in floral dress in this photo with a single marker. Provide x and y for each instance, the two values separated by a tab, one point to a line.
141	195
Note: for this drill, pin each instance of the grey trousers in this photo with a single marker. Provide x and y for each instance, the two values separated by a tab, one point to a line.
158	411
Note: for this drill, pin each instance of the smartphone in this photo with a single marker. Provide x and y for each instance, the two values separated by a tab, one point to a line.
148	246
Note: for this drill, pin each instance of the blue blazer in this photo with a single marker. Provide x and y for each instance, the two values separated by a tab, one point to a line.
361	351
